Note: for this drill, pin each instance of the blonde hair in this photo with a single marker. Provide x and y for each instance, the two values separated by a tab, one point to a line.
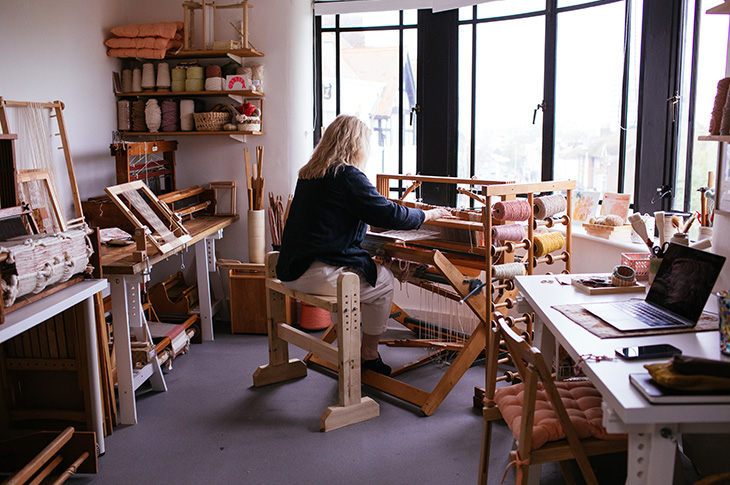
346	141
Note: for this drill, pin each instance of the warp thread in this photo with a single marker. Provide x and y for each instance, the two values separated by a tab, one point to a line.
137	80
148	75
123	115
510	232
547	243
169	115
508	271
511	210
549	205
187	108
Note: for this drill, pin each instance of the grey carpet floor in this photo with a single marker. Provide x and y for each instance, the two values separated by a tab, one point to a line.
213	427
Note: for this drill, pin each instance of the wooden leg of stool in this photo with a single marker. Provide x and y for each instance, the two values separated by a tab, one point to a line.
352	408
280	367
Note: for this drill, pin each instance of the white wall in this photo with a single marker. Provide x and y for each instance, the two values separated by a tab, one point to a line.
54	50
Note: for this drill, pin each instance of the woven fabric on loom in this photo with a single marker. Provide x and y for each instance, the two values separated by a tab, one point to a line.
43	260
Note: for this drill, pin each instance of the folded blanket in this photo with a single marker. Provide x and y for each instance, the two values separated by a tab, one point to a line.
142	43
140	53
166	30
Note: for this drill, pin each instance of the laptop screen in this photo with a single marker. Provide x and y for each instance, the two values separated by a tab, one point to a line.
684	281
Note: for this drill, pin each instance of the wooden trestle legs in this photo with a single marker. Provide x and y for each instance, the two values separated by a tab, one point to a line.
352	407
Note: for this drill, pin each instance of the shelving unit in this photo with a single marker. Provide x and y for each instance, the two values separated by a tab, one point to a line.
240	96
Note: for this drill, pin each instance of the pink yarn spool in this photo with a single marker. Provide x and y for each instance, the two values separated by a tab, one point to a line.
511	210
511	232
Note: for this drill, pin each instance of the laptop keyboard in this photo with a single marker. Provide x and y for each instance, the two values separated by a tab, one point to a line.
648	314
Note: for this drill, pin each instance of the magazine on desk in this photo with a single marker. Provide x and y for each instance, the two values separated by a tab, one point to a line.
657	394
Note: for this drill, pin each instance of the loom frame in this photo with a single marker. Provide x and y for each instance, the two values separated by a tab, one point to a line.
182	236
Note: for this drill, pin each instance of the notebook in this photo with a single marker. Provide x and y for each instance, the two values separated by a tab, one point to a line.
658	394
677	296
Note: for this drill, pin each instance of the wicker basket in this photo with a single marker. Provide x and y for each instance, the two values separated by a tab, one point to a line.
211	121
638	261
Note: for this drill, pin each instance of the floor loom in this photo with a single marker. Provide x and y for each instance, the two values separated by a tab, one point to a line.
451	270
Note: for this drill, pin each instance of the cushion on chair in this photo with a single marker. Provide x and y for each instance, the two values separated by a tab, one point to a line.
582	402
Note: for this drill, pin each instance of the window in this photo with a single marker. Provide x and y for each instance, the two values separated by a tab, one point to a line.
368	63
530	90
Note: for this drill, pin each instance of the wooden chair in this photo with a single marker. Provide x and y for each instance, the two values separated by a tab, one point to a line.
352	407
583	433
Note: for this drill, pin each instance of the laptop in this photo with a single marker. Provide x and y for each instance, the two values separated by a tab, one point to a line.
677	295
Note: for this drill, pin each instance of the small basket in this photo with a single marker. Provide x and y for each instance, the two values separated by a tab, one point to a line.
211	121
638	261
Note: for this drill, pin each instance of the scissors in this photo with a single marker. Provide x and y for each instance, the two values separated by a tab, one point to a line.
658	251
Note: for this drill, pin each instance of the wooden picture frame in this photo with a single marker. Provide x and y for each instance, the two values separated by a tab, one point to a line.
220	188
154	212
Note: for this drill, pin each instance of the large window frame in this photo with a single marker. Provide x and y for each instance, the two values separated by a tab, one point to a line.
660	66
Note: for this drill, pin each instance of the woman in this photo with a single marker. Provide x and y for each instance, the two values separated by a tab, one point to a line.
333	204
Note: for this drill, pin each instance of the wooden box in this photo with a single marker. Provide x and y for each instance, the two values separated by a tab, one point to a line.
248	302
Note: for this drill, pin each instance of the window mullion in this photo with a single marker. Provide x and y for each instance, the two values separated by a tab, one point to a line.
548	101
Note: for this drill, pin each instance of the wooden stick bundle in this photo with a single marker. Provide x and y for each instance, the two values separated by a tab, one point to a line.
255	179
277	218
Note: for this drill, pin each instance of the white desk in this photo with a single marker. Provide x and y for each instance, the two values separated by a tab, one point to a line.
652	429
38	312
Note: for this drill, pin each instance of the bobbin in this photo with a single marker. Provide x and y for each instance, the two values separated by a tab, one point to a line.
511	246
551	221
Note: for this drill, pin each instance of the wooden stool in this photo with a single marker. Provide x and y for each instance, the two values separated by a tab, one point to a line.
352	407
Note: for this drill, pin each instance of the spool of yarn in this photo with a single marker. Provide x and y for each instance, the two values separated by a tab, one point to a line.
194	84
187	108
179	73
549	205
148	75
511	232
195	72
137	80
720	99
230	69
511	210
124	114
257	76
508	271
214	84
213	70
178	86
245	71
153	115
138	116
547	243
170	115
126	80
163	75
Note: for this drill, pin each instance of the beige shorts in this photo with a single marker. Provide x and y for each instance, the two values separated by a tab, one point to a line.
321	279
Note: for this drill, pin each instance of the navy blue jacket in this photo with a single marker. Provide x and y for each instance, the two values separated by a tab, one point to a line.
328	220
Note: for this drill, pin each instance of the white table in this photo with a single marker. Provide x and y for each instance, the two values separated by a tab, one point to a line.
38	312
653	429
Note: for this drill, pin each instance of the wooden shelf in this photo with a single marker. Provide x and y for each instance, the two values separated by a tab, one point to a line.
194	54
179	133
714	138
169	94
